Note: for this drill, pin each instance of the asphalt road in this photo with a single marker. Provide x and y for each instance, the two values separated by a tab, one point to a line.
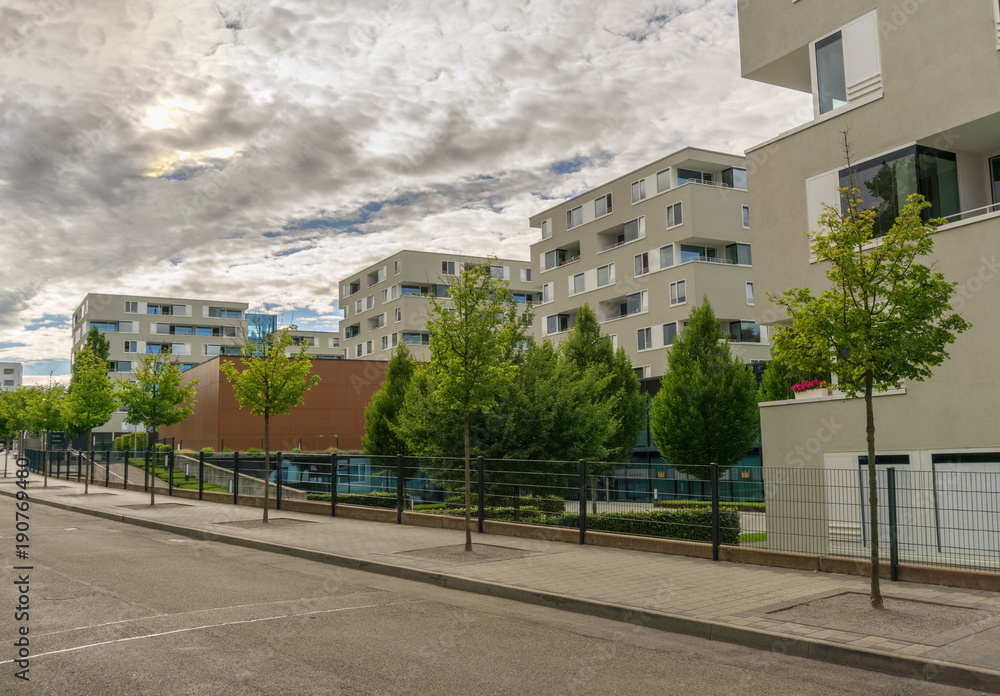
117	609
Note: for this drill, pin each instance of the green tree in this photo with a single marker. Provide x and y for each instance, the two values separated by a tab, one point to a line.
98	343
10	428
383	410
91	398
270	384
885	318
474	335
45	414
586	347
157	397
706	410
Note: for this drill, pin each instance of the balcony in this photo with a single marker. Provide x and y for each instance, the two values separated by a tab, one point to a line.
623	306
556	258
620	235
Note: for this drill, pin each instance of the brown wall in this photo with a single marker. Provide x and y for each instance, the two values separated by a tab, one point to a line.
335	406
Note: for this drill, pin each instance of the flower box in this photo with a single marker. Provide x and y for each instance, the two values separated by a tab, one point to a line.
811	394
811	390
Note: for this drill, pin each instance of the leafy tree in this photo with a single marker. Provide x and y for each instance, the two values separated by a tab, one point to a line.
586	347
157	397
886	318
98	343
474	335
706	409
44	413
385	406
270	384
10	418
778	378
91	399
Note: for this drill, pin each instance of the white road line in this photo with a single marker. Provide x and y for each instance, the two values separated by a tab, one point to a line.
198	628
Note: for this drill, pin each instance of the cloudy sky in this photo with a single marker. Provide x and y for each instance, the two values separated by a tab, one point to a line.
261	151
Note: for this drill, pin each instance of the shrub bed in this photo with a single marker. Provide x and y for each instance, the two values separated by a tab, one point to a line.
707	505
381	500
689	525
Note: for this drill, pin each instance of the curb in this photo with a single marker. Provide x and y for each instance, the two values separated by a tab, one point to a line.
872	660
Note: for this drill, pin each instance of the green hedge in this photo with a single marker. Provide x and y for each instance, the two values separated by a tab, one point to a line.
382	500
547	503
707	505
689	525
131	441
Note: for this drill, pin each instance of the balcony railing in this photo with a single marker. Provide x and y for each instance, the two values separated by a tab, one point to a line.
717	184
708	259
974	213
620	244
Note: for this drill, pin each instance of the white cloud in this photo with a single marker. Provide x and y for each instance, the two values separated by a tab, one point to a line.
182	148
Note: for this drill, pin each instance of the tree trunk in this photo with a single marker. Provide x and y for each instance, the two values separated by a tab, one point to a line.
151	467
468	490
876	593
267	462
90	463
6	452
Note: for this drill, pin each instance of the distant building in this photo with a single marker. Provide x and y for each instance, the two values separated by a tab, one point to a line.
11	374
386	304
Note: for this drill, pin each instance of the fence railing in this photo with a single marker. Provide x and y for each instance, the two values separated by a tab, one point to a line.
947	516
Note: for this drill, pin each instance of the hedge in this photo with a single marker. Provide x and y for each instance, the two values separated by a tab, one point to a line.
707	505
382	500
545	503
690	525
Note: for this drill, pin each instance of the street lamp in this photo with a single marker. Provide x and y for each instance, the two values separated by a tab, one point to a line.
338	442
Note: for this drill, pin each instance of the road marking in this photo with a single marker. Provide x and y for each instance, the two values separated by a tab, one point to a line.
199	628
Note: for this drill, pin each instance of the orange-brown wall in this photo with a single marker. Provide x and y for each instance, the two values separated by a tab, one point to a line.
335	406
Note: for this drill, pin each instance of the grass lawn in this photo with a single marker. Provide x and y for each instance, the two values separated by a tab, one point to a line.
753	536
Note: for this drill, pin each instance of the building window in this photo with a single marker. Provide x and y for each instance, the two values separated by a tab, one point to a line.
669	333
525	275
369	302
352	331
352	288
414	290
692	252
214	312
368	347
395	340
574	217
831	81
385	343
638	190
641	264
886	182
556	323
693	175
738	254
645	338
8	370
359	306
558	257
105	326
397	266
547	293
663	181
448	268
746	217
130	347
678	293
578	283
8	383
602	206
359	351
496	272
614	341
546	229
667	256
399	314
131	307
416	339
631	305
674	215
995	169
750	293
744	332
604	275
735	177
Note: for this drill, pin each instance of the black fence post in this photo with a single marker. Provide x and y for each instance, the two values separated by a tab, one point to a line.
201	475
893	527
79	464
277	497
145	478
399	489
583	501
236	477
107	468
125	470
334	474
170	473
716	524
481	491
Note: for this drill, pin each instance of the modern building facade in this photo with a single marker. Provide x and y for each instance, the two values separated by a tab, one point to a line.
330	416
11	376
913	84
386	304
643	249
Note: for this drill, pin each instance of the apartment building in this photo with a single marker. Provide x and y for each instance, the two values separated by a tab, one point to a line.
11	376
643	249
915	85
386	304
323	345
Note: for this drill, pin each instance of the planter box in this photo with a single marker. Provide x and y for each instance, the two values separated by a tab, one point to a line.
812	394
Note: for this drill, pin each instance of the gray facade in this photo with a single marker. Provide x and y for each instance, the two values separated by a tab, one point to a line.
11	376
643	249
915	85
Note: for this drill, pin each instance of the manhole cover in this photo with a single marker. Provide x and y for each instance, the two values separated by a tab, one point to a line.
902	619
158	505
272	522
459	556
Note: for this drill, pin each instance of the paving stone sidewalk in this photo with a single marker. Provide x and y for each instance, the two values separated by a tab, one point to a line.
954	637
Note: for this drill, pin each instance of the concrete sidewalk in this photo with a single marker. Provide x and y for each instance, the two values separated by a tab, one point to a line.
953	638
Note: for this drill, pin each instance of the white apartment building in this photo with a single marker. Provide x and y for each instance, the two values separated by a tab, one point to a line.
916	86
643	249
386	304
11	376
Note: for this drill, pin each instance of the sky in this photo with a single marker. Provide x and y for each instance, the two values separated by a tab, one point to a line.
262	151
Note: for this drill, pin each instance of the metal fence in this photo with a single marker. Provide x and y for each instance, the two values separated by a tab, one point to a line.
945	516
